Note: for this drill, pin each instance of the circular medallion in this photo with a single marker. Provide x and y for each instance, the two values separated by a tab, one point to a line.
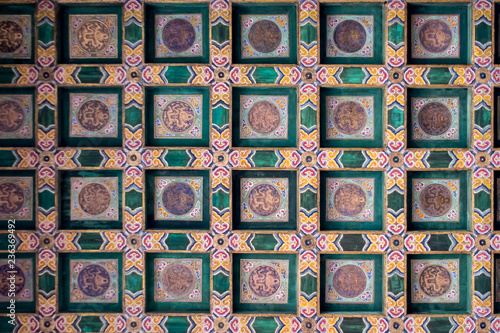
349	199
434	118
93	115
178	280
178	116
93	280
11	116
264	36
349	281
178	198
349	117
264	199
178	35
434	281
93	36
11	198
435	200
94	199
435	36
349	36
5	283
11	36
264	281
264	117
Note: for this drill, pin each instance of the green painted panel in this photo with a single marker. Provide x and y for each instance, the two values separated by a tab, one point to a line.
264	242
177	242
220	116
482	117
90	158
396	33
90	74
221	283
308	284
220	200
7	74
439	75
395	201
265	75
133	282
177	324
396	284
46	282
395	117
439	159
352	242
133	32
90	324
308	33
220	33
439	325
178	74
308	200
265	325
439	242
177	158
352	159
90	241
308	117
352	75
265	158
45	33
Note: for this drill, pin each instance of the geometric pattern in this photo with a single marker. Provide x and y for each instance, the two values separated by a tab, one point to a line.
479	73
